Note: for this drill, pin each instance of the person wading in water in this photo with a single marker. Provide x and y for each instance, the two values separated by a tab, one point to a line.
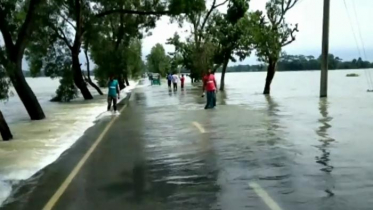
209	85
113	93
169	80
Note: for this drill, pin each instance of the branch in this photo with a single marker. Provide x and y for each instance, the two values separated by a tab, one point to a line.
65	19
284	9
86	57
284	42
133	12
5	31
25	30
62	37
213	7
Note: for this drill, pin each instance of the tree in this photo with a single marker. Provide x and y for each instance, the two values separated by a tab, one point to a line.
271	34
124	22
4	89
198	50
228	30
158	61
17	22
135	64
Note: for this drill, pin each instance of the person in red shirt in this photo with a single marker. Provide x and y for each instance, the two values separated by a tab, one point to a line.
182	80
209	86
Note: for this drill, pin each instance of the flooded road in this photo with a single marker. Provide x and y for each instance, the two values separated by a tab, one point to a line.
289	151
305	153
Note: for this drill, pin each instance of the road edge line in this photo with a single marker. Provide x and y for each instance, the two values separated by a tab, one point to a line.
264	196
57	195
199	127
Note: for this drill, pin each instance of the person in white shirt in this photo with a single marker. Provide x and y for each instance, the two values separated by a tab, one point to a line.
175	80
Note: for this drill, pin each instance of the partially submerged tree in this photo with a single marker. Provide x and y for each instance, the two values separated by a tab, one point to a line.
17	21
199	48
231	32
67	16
271	34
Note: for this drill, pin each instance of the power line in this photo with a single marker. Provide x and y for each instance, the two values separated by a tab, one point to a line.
362	40
369	81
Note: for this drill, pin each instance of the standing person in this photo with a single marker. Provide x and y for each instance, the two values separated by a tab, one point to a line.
209	85
113	93
175	80
169	80
151	78
182	80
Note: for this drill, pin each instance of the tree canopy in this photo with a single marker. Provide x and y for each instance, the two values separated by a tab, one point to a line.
158	61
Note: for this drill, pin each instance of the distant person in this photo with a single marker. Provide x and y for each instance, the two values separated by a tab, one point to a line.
209	86
113	93
175	80
182	80
169	80
151	79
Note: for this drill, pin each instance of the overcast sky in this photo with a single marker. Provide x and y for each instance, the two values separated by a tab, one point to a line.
308	14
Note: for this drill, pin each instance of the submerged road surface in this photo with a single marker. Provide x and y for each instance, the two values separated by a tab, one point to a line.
165	152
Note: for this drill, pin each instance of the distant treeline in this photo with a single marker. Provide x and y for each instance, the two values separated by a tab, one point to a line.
303	63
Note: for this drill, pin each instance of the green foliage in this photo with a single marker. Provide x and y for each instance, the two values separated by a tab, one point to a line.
4	84
158	61
232	33
236	10
14	12
66	91
271	33
135	64
186	6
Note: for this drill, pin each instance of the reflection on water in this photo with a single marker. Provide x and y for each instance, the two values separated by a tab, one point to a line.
273	112
138	176
325	141
222	97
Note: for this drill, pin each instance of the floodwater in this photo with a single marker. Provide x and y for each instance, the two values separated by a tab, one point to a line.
306	153
38	143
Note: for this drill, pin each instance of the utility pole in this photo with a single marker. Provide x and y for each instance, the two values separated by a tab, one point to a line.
325	51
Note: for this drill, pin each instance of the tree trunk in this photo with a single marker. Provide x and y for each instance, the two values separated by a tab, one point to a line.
89	80
270	74
126	79
121	82
78	76
15	50
23	90
222	79
4	129
75	50
91	83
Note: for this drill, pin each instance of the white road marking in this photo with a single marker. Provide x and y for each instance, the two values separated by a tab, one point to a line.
57	195
264	196
199	127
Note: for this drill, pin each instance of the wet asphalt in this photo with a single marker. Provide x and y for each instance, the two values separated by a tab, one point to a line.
166	152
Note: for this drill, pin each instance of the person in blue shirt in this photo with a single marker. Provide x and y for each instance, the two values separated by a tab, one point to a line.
113	93
169	80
